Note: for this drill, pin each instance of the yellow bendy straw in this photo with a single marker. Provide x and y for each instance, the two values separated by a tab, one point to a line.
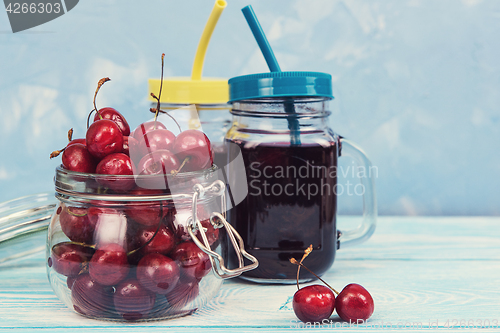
196	89
199	58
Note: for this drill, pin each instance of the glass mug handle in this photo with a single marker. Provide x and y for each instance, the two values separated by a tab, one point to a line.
367	227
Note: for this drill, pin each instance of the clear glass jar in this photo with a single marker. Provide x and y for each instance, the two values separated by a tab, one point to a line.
290	155
146	255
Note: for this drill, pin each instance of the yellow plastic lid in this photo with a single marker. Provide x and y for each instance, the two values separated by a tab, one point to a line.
184	90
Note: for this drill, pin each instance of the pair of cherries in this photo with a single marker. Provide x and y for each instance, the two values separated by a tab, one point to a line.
316	303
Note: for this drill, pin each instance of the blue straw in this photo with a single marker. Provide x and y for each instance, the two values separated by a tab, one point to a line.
261	39
272	63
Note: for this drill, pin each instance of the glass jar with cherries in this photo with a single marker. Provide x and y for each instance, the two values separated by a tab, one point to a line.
149	253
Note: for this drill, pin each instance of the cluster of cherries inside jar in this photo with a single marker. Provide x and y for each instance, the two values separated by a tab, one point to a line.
132	260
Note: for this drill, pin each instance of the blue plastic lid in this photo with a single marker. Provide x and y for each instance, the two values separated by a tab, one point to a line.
280	84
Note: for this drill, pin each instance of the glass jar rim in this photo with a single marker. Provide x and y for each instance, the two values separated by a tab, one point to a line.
260	114
302	107
89	185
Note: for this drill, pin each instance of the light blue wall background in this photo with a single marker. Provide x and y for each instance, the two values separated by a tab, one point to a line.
417	84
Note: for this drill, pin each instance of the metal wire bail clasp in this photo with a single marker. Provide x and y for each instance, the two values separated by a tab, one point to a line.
218	221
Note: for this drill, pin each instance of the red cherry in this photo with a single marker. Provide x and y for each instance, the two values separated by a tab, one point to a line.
195	145
158	273
158	163
116	164
155	140
76	224
97	212
145	128
313	303
163	242
82	141
133	301
77	158
117	117
104	137
183	293
90	298
70	280
194	263
109	265
129	142
354	303
67	259
212	233
144	212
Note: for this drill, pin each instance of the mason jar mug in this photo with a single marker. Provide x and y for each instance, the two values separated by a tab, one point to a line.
281	130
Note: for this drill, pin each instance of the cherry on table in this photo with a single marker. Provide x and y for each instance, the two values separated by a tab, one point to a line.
109	265
117	117
313	303
354	303
133	301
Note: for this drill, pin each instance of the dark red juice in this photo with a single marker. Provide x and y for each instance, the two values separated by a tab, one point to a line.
291	203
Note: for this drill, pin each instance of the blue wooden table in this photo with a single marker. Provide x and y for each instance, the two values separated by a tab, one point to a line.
422	272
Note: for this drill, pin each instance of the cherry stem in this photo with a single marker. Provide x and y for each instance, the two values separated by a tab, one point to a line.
298	272
88	118
154	235
165	112
293	261
84	268
175	172
161	86
306	253
99	85
56	153
75	214
77	243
